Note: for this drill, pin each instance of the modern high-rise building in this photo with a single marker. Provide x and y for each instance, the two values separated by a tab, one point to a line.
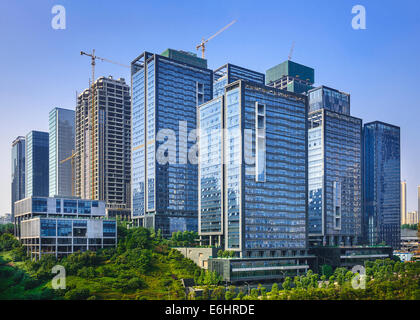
18	172
330	99
290	76
412	217
36	164
335	178
229	73
167	89
382	184
61	147
418	198
403	202
103	142
253	180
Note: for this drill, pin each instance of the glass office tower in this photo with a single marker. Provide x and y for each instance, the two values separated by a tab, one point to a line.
255	203
253	181
382	178
36	164
335	178
167	89
61	146
18	172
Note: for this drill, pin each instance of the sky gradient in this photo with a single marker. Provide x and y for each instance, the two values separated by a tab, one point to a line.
42	67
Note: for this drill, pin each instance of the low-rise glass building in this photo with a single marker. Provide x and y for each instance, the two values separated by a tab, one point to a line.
63	236
61	226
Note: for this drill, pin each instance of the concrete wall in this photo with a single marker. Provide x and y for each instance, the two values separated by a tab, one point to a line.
199	255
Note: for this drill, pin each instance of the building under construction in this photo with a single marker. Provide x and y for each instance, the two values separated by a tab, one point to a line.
103	139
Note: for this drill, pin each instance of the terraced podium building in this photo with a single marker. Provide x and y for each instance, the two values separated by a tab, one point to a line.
60	226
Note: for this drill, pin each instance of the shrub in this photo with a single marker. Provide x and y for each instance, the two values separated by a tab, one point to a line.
8	242
77	294
31	283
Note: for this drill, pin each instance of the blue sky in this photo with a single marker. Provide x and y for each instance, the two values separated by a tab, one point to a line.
42	68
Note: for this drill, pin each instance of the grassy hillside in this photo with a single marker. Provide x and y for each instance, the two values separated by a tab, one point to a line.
141	267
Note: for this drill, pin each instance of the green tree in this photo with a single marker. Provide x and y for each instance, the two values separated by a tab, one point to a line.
287	283
326	270
229	295
263	293
218	293
206	293
77	294
8	242
254	293
240	295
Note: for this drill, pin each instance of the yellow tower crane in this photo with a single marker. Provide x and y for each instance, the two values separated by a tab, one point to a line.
73	155
202	45
92	112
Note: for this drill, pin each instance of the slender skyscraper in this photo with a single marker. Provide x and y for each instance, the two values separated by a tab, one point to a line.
36	164
382	184
418	199
61	146
102	159
167	89
18	172
403	202
335	169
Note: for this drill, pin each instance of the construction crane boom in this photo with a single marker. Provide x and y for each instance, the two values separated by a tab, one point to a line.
202	45
68	158
73	155
291	51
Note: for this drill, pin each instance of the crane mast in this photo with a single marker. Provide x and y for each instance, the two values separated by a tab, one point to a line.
203	42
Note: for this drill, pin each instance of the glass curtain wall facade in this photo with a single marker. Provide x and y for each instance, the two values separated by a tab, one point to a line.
382	178
18	172
229	73
335	178
61	237
36	164
61	146
166	93
211	219
330	99
262	207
